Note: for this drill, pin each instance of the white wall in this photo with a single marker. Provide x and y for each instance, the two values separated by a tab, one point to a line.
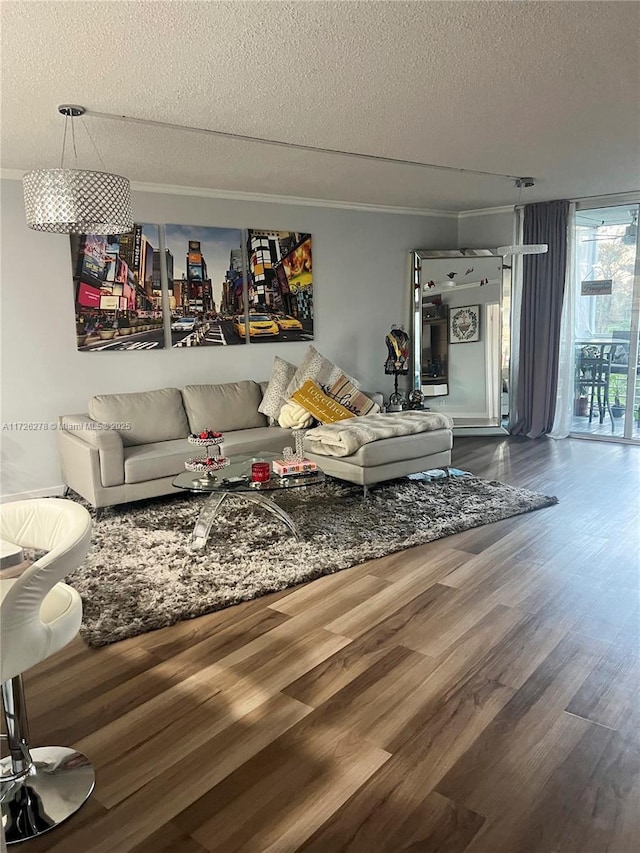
361	286
486	230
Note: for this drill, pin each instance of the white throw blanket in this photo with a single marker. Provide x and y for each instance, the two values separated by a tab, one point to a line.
343	438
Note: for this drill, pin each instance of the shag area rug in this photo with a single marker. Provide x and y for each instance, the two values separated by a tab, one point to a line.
141	573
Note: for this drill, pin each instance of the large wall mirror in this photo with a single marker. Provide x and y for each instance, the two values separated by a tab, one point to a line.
461	335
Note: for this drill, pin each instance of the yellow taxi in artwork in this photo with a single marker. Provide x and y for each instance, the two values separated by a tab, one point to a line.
288	322
260	326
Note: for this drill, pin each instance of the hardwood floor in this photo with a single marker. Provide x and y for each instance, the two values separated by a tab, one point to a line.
478	694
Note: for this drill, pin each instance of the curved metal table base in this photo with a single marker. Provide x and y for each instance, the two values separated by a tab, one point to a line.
56	784
207	515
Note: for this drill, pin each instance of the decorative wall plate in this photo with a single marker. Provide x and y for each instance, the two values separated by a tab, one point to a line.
464	324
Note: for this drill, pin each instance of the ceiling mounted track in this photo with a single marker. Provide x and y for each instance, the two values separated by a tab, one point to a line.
223	134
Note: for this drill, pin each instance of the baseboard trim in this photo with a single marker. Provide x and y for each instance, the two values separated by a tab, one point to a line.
479	430
50	492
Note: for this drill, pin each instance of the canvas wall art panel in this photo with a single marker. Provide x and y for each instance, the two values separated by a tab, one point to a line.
117	290
206	294
280	286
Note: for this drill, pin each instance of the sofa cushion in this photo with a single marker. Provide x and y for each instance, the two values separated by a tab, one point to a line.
156	460
152	415
322	407
294	416
231	406
352	398
401	447
315	366
256	441
275	396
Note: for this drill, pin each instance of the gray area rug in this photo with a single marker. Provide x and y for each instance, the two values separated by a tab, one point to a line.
141	573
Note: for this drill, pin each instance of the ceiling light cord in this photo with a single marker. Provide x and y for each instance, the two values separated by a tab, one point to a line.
300	147
64	142
84	124
73	140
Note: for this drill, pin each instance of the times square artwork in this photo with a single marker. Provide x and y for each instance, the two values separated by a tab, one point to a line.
206	285
117	290
280	285
211	299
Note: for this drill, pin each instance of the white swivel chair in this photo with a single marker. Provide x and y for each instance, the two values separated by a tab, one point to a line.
39	788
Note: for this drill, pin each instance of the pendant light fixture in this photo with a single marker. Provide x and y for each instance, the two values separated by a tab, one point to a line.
523	248
77	201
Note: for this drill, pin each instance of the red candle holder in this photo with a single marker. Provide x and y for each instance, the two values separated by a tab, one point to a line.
260	472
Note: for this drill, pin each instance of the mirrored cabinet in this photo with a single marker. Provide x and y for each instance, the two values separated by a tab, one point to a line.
461	334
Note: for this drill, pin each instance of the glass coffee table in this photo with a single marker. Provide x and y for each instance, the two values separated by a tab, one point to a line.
235	481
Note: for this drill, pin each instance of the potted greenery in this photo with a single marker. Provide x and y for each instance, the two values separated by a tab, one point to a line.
124	325
81	331
106	330
615	385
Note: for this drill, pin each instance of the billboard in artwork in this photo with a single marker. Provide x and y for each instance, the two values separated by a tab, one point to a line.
118	297
206	292
280	283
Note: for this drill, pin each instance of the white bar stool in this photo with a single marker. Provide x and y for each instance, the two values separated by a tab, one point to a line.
39	788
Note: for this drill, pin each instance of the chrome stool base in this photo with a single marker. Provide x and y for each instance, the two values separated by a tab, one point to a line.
57	783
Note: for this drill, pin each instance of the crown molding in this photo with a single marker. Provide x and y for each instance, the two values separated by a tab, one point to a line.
583	203
486	211
237	195
610	200
12	174
630	197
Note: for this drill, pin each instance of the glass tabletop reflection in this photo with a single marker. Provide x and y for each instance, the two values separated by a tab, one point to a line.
236	477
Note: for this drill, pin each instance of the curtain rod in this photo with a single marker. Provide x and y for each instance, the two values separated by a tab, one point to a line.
298	146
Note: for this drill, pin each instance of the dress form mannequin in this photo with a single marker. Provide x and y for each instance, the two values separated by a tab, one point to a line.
397	362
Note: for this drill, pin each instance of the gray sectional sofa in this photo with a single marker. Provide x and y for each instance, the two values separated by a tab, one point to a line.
131	446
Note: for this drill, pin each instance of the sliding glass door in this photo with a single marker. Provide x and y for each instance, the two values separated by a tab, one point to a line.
606	303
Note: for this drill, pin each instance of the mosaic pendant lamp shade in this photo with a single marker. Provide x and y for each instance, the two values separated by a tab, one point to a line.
74	201
77	201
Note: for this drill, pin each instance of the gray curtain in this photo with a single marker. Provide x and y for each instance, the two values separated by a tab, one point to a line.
543	280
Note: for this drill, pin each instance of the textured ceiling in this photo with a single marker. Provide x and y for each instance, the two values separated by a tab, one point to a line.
525	88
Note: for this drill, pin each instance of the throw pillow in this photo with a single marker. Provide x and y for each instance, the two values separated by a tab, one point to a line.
320	405
294	416
275	396
346	393
315	366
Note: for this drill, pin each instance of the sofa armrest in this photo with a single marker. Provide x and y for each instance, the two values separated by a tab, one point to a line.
104	439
